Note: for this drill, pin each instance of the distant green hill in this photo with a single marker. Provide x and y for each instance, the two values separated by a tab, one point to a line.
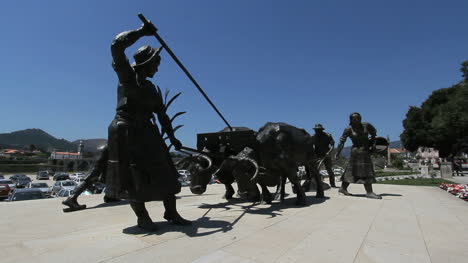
41	139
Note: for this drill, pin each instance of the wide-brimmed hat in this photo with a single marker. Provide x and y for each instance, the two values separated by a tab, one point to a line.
145	54
318	127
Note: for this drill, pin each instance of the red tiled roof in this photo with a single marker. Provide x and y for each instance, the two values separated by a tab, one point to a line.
67	153
9	151
396	150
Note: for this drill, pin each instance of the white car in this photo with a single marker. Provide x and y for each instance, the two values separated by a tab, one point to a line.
184	174
78	180
323	173
44	187
68	192
66	184
301	172
77	176
338	171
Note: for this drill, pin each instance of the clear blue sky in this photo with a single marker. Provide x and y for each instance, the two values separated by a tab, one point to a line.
300	62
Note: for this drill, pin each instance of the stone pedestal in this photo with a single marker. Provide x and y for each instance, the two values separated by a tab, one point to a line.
446	170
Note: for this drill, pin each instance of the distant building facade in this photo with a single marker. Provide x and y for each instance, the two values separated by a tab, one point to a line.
65	156
68	155
10	152
398	152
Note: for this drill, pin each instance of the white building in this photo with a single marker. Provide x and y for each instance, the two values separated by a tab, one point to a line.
68	155
65	155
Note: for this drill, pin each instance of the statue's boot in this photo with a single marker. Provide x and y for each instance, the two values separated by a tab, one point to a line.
301	198
171	213
108	199
72	205
144	220
300	195
344	189
370	193
332	181
229	191
72	201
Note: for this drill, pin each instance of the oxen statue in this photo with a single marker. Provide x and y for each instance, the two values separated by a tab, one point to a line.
267	158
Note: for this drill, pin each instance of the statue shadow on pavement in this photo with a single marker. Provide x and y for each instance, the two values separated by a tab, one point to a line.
258	208
213	226
109	204
382	195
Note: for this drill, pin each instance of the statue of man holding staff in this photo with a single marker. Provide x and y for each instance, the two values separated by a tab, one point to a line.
139	167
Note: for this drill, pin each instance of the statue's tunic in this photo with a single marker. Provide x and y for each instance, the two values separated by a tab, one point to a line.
139	166
322	143
360	169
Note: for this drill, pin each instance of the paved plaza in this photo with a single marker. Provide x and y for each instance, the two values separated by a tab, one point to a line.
410	224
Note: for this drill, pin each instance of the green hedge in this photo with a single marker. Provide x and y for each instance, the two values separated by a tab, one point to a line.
29	161
383	174
417	182
22	168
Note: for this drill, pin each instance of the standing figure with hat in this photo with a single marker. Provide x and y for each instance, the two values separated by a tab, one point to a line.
323	144
139	167
360	169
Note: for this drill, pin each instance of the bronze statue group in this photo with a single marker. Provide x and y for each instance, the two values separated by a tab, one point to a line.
136	164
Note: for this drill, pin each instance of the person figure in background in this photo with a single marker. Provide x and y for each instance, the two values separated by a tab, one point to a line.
323	142
360	169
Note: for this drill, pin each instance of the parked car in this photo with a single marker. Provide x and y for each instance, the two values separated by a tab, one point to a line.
61	176
66	184
22	182
2	176
68	192
97	188
15	177
301	172
184	173
44	187
78	180
338	170
77	176
4	191
42	175
9	182
25	194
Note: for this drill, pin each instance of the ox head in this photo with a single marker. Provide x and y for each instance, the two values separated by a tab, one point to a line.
201	169
243	167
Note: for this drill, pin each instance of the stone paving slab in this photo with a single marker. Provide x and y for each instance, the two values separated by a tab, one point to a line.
410	224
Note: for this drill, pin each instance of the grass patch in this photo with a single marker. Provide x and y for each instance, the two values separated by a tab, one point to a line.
384	174
418	182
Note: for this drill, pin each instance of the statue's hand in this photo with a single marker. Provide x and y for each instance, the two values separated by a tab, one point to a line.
177	144
149	29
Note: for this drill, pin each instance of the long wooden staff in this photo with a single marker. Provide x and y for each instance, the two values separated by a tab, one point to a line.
166	47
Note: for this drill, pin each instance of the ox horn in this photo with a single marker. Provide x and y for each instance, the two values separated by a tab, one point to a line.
183	160
208	159
254	163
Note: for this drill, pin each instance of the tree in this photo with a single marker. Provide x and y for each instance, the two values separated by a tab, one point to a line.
32	147
441	121
416	130
464	70
398	162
